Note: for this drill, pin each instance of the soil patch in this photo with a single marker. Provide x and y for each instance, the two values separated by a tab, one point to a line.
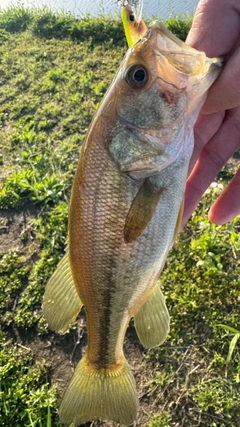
16	229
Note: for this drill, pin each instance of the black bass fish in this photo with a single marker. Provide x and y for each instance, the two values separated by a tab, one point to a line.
125	210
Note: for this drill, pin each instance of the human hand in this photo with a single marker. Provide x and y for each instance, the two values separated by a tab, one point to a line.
216	31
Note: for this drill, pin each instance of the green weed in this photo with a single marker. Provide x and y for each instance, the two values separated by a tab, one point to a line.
15	19
22	281
27	185
180	25
232	346
14	273
24	391
220	400
161	420
48	24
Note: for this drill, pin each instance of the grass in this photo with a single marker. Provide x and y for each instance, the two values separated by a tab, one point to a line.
25	397
54	70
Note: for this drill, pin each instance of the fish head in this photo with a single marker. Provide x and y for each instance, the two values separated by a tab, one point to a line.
161	87
182	65
134	27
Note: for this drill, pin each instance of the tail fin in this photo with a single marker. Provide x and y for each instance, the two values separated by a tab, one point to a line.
106	393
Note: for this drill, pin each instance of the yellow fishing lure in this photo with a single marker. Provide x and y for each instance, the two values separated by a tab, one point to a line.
134	26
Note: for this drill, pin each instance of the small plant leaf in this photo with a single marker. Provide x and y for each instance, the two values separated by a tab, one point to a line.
232	347
228	328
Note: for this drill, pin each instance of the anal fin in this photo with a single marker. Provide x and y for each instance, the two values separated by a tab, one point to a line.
61	303
152	321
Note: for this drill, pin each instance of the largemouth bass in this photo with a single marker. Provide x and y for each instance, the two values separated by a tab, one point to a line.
125	209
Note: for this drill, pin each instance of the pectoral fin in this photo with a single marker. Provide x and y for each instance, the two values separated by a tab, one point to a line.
179	220
143	207
152	321
61	303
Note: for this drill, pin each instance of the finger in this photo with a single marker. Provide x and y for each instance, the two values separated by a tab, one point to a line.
225	92
211	160
227	206
205	127
215	27
215	30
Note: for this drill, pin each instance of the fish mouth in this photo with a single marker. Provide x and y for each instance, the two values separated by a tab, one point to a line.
144	135
181	56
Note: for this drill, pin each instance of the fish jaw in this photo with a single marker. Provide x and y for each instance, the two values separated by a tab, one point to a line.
185	58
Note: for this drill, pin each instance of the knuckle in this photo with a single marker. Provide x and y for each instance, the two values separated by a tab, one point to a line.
234	119
213	156
198	142
194	187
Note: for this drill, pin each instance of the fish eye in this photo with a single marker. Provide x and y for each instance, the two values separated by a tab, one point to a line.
131	17
136	76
